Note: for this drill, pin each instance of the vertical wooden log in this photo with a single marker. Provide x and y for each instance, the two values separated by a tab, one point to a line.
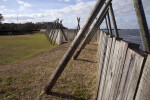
143	92
109	23
73	46
56	33
144	32
113	20
107	84
117	66
130	75
103	64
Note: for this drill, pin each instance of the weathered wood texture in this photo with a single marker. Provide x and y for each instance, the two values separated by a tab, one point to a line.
66	35
104	63
143	92
102	50
130	75
143	27
120	71
106	84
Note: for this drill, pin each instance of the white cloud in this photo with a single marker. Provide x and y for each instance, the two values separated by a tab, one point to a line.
68	14
1	7
23	5
78	0
66	0
124	12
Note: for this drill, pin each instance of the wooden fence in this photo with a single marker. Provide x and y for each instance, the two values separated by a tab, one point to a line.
123	70
69	33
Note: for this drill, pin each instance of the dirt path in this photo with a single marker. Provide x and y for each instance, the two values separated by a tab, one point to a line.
26	80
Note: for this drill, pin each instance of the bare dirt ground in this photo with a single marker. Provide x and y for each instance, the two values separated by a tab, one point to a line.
26	80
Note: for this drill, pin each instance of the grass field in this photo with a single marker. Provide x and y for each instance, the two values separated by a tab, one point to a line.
28	61
21	47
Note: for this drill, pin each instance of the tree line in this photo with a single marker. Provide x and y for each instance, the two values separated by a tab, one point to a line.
23	27
28	26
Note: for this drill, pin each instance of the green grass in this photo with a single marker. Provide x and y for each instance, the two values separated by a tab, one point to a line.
21	47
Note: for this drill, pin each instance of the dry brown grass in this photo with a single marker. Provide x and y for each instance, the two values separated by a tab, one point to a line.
26	80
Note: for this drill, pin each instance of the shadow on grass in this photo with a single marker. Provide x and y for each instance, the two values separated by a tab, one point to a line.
85	60
65	96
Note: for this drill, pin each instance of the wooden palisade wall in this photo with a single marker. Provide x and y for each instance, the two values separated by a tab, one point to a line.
123	70
69	33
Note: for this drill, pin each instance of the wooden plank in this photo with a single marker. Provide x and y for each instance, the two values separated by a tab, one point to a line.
98	58
128	61
64	34
143	92
106	60
108	75
117	66
102	50
135	64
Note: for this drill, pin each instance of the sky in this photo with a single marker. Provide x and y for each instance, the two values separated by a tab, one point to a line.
68	10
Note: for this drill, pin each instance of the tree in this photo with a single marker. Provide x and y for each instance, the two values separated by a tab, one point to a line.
1	18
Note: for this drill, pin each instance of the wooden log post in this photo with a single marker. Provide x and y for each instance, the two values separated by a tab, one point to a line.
85	41
48	29
106	24
113	20
90	38
78	27
58	26
109	23
93	29
144	32
143	92
74	46
54	30
62	31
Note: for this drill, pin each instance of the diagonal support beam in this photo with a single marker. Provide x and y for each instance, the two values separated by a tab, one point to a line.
86	40
74	46
113	20
57	30
93	29
48	29
93	33
106	24
109	23
63	33
53	33
143	27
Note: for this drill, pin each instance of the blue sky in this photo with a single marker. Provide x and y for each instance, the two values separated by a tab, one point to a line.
68	10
